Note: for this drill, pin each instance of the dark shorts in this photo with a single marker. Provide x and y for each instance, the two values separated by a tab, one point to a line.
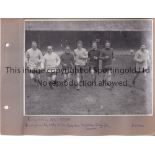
106	68
66	67
49	74
81	69
95	68
67	70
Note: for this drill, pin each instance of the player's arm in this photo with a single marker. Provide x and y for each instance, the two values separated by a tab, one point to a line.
58	60
62	62
113	58
96	57
89	55
27	57
40	56
72	61
74	54
103	56
137	57
43	63
84	55
148	57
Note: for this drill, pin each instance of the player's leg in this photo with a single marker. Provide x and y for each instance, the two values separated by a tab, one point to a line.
78	80
68	80
135	77
37	76
48	77
81	72
108	77
105	75
104	70
69	76
32	76
53	79
65	77
92	71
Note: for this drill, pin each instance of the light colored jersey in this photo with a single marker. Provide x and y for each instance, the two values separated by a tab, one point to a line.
33	58
142	58
81	56
51	61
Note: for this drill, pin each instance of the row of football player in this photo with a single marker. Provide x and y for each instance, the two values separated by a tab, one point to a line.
79	58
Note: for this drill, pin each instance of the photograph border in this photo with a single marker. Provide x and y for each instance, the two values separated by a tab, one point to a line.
89	19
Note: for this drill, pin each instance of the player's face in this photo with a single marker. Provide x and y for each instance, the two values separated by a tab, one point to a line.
67	50
49	49
143	47
94	45
34	45
79	45
107	45
132	52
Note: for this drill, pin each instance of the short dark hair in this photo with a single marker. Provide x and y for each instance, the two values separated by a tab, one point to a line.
107	41
34	42
94	42
67	45
79	42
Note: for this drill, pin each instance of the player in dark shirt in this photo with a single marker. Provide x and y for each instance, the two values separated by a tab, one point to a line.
93	57
107	58
67	62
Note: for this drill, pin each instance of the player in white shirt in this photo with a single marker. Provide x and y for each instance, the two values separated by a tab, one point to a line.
50	63
33	60
81	56
142	58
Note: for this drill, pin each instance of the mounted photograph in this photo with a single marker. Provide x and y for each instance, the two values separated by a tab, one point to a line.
84	67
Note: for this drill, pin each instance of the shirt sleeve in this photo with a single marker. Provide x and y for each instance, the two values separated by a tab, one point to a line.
62	59
27	56
112	53
148	56
58	60
40	56
89	54
137	57
74	53
72	58
85	54
43	62
102	54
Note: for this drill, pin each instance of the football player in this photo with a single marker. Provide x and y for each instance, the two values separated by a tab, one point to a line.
33	61
93	58
81	56
141	58
67	62
51	61
107	56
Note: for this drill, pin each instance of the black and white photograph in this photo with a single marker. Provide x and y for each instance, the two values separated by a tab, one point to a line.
88	67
